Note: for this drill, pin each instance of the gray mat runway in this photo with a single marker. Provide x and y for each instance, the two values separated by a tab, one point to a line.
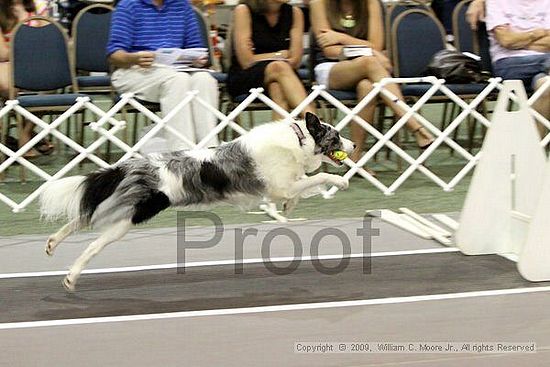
210	316
218	287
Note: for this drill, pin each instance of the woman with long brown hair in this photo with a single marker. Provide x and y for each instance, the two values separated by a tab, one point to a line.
337	23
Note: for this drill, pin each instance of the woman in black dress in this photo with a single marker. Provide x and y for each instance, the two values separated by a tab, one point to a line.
267	48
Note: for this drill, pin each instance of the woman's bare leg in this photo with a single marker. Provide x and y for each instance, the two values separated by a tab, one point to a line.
292	88
276	94
358	134
26	128
4	77
346	75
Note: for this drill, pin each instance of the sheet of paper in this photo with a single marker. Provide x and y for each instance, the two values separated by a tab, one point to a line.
178	56
356	51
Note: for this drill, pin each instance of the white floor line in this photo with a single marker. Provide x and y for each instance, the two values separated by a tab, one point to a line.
228	262
264	309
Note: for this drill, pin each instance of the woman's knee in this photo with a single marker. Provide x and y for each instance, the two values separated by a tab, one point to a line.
278	68
364	86
369	63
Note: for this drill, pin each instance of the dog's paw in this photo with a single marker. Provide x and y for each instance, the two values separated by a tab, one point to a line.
69	285
50	245
340	182
289	205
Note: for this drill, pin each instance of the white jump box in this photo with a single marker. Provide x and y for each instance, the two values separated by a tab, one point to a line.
508	203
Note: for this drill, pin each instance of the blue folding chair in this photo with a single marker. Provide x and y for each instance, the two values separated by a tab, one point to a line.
417	35
40	62
390	15
462	32
90	33
467	40
476	42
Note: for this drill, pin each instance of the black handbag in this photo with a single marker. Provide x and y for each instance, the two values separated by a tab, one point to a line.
456	67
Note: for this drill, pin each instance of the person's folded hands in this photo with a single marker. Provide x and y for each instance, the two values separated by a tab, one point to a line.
144	58
328	37
200	62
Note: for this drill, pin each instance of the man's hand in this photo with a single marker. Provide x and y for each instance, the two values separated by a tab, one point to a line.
475	13
200	62
328	37
144	58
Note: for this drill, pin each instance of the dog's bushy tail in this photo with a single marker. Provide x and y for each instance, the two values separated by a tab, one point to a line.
79	196
62	198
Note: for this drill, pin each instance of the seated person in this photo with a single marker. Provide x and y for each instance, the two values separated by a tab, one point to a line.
519	33
11	13
138	28
337	23
267	49
475	13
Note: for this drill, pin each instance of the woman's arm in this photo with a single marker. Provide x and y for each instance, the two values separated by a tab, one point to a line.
475	13
242	40
296	50
542	44
517	40
4	49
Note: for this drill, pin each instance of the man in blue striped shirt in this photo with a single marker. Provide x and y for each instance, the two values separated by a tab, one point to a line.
138	28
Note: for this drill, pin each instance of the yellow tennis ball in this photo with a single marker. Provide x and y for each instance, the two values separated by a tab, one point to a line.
340	155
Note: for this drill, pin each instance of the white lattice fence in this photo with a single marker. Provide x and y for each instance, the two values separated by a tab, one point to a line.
106	125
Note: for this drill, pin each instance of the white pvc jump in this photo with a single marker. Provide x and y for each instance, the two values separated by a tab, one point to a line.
508	203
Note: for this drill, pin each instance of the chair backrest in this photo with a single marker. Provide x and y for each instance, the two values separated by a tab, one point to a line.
463	34
228	48
40	57
416	36
481	45
205	32
468	40
90	35
392	12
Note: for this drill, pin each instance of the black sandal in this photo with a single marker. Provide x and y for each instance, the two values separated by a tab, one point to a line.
44	146
425	146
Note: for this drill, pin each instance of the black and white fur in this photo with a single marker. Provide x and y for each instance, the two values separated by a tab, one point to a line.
271	161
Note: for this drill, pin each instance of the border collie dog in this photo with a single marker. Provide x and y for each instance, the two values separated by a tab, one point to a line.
271	161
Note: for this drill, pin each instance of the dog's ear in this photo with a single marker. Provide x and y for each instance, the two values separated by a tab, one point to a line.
313	125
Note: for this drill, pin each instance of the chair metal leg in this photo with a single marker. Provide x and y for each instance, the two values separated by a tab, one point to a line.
456	131
444	115
250	119
22	173
4	129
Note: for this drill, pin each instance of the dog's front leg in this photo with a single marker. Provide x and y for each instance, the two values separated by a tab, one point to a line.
289	205
322	178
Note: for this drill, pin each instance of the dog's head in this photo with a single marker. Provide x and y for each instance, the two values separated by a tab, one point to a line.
327	140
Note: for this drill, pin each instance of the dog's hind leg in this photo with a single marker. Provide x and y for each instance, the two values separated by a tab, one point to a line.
108	235
65	231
